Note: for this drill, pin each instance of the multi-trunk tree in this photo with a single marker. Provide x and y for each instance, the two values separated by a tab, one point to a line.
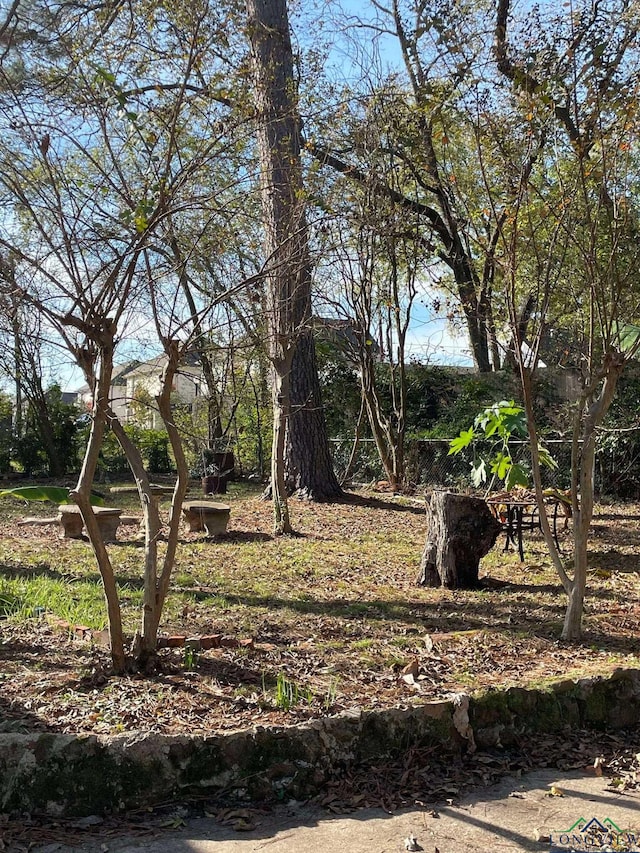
419	119
377	259
99	157
517	137
572	231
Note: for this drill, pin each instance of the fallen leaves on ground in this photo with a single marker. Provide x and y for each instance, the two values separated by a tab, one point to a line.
333	614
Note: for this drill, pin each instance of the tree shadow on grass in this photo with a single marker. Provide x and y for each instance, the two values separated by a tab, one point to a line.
17	717
237	537
614	561
614	516
498	585
441	616
232	536
378	503
30	572
509	615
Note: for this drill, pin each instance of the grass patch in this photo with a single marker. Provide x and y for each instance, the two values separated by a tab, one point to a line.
77	603
288	694
403	642
337	602
361	645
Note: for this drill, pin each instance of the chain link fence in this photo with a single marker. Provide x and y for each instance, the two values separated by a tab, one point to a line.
428	464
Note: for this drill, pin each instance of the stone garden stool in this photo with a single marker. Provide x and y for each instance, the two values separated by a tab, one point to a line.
206	515
71	523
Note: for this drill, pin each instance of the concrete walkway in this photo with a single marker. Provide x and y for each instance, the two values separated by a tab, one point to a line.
514	815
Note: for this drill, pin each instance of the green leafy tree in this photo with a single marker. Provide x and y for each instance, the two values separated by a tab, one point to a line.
576	224
496	427
419	120
49	442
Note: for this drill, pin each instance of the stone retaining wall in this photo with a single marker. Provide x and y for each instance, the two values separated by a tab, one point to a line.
88	774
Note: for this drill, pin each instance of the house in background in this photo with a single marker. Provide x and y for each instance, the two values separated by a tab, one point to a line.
117	391
342	334
135	385
143	381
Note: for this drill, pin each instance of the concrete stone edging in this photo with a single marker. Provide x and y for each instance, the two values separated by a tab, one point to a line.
75	775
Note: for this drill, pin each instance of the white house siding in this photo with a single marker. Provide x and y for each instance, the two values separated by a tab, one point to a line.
187	387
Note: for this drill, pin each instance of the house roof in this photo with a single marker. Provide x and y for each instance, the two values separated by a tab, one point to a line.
120	371
189	364
341	332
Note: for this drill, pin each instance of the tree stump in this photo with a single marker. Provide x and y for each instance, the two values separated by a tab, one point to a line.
461	531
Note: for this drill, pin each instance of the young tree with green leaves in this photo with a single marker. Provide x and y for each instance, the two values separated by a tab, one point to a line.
496	427
572	231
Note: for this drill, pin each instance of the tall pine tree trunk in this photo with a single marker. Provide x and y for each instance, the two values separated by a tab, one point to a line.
288	264
308	463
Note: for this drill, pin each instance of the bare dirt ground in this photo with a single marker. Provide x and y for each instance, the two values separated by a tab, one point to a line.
328	620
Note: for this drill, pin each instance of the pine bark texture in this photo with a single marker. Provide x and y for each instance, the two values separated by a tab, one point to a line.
308	463
461	531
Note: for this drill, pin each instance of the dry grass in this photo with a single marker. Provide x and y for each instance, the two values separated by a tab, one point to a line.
330	617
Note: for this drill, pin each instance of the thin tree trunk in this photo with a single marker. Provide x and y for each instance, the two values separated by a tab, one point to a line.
582	485
281	396
142	647
56	463
156	586
356	443
380	428
182	482
82	497
583	490
17	360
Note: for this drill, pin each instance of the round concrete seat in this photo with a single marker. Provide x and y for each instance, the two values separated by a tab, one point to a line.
71	523
206	515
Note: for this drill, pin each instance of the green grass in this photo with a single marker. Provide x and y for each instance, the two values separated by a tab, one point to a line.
403	642
288	694
77	603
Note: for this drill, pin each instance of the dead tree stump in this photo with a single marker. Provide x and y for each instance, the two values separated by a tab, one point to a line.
461	531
